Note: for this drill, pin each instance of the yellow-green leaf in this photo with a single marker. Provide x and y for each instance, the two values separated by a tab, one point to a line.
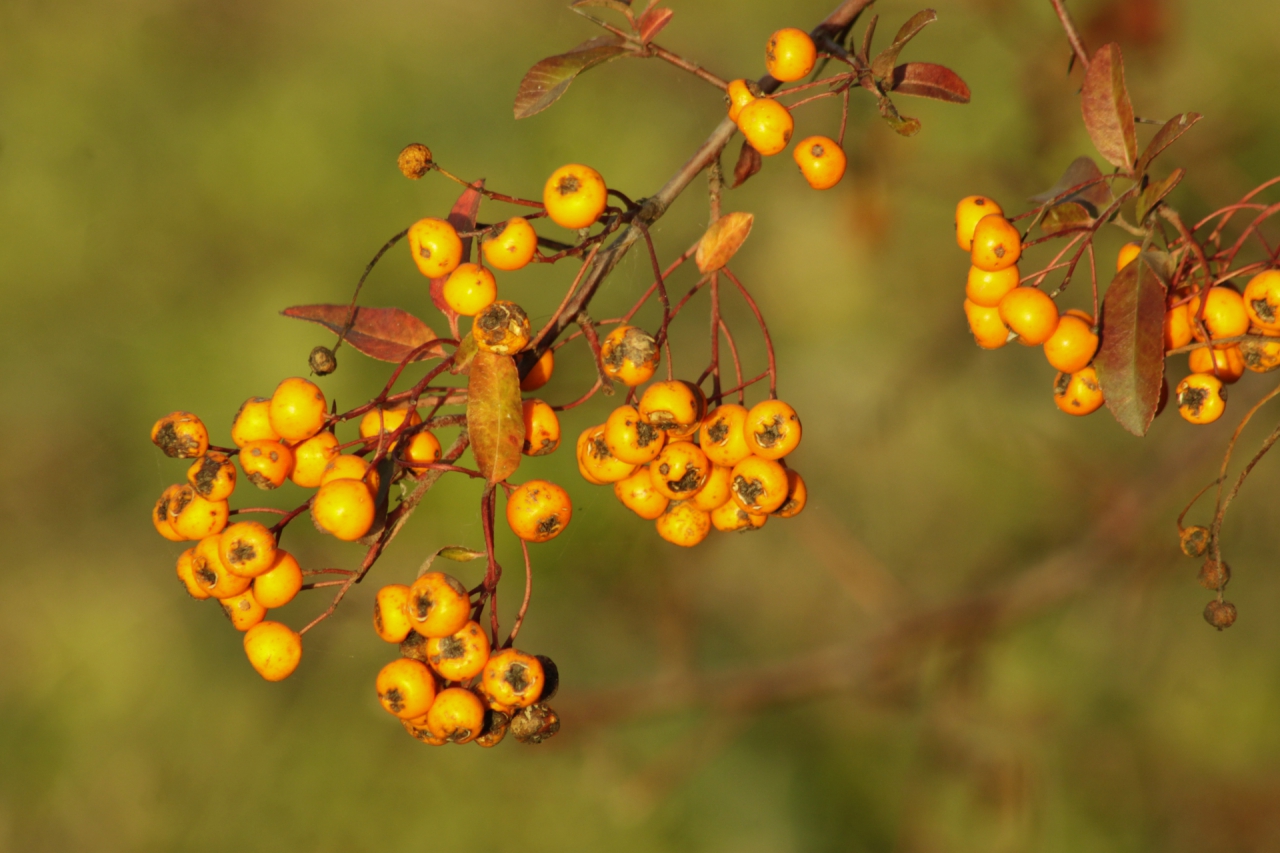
494	418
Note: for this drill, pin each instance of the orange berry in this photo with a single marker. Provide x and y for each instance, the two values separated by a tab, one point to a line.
638	495
311	457
1202	398
1177	327
731	518
423	448
1261	356
213	476
267	463
969	211
575	196
680	470
767	125
996	243
1072	345
715	492
406	688
193	517
987	288
391	613
540	373
243	610
438	605
772	429
344	508
821	161
683	524
722	435
384	421
211	573
790	54
989	331
1128	252
418	728
538	511
596	463
435	246
253	422
1262	300
501	328
160	515
738	95
630	439
673	405
297	409
346	466
513	679
513	247
461	655
1077	393
186	574
470	289
457	715
629	355
1224	315
759	485
1226	364
797	496
247	548
541	428
278	585
181	435
273	649
1030	314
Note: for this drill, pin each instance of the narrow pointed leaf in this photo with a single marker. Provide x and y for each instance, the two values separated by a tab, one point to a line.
467	350
620	6
904	125
495	420
882	65
1130	360
457	553
1107	111
1155	191
1166	136
1064	217
867	36
749	162
1095	196
545	82
387	334
652	22
722	240
927	80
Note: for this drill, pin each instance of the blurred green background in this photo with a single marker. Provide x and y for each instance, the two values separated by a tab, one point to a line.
979	637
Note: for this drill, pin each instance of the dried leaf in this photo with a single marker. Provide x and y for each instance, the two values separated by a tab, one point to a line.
882	65
387	334
621	6
1166	136
1155	191
722	240
1064	217
867	37
927	80
652	22
1130	360
749	162
545	82
495	420
1095	197
904	125
1108	114
457	553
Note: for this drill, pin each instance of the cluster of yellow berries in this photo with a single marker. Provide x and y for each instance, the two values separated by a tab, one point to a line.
767	125
449	685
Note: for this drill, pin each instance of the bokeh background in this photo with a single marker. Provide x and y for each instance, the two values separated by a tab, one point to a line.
980	635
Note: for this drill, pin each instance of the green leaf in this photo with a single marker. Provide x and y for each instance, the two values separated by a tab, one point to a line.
457	553
545	82
1166	136
1130	360
1064	217
1108	114
495	420
904	125
467	350
882	65
1155	191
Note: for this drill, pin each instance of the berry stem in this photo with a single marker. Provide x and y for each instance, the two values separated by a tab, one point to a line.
764	330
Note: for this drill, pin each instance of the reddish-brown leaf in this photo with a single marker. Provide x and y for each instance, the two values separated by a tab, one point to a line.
927	80
722	241
882	65
652	22
545	82
494	417
1155	191
1108	114
749	162
1166	136
1130	360
1095	197
1064	217
387	334
622	6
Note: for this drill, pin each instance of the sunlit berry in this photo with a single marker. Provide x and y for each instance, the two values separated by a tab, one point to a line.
541	428
391	613
311	457
435	247
1202	398
767	125
996	243
513	679
1177	327
438	605
1224	315
266	463
1261	354
457	715
989	331
247	548
739	93
470	289
379	423
461	655
595	461
213	476
630	438
790	54
181	435
186	574
160	515
722	435
193	517
731	518
501	328
1226	364
797	496
673	405
575	196
821	161
244	610
538	511
273	649
1072	345
406	688
772	429
278	585
347	466
759	485
1030	313
511	248
629	355
1262	300
540	373
680	470
297	409
638	495
715	491
253	422
987	288
683	524
423	449
344	508
211	573
1128	252
1078	393
969	211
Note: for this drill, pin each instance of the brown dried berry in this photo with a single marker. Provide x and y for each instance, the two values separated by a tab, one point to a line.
1194	540
414	160
1220	614
535	723
1214	575
550	677
323	361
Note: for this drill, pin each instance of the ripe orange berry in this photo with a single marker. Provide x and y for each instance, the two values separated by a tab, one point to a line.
772	429
266	463
193	517
759	485
1177	327
278	585
680	470
406	688
638	495
253	422
181	435
457	715
213	476
1262	300
160	515
996	243
186	574
211	573
435	246
988	288
738	95
797	496
1261	356
596	463
418	728
243	610
629	355
969	211
297	409
346	466
790	54
1072	345
722	435
1030	314
1202	398
423	448
513	679
715	492
344	508
311	457
385	420
470	289
541	428
731	518
1226	364
540	373
630	439
438	605
767	125
513	247
538	511
247	548
273	649
1078	393
683	524
673	405
821	161
1224	315
575	196
1128	252
501	328
461	655
989	331
391	613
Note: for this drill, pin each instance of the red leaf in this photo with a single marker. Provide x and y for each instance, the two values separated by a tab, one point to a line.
545	82
1130	361
926	80
749	162
1095	197
1108	114
387	334
495	420
1166	136
463	218
652	22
